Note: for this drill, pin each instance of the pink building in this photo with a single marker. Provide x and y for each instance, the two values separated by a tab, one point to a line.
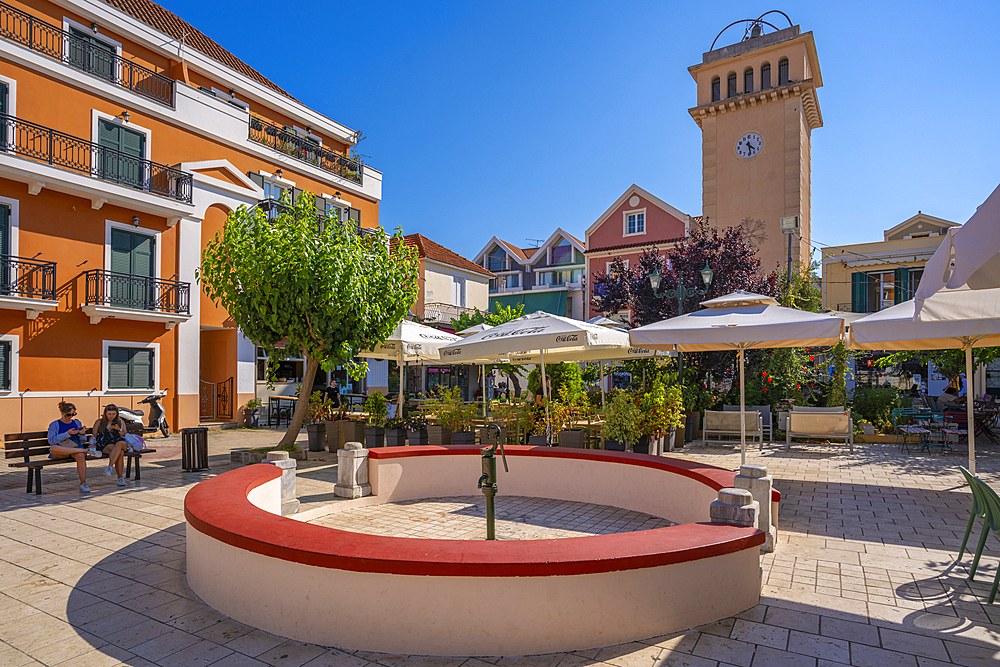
637	221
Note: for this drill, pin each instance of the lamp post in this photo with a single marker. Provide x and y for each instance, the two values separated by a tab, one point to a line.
680	293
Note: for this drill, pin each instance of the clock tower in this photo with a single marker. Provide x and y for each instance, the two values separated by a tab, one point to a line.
757	108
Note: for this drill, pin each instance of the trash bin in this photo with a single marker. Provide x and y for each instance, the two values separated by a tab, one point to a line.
194	449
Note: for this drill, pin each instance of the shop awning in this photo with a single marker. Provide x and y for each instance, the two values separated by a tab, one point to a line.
553	303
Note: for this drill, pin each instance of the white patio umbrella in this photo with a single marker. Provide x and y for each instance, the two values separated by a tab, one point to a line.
741	321
538	332
969	255
899	328
478	328
410	342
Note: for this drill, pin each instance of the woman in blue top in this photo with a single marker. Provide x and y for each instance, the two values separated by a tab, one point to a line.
67	440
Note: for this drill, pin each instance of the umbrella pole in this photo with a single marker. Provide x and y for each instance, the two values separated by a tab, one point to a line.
743	413
602	384
545	396
482	382
402	379
969	408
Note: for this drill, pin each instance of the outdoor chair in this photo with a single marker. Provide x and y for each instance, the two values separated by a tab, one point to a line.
766	420
978	509
990	503
825	424
721	423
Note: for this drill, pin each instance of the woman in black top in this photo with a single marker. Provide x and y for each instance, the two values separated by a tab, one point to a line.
110	433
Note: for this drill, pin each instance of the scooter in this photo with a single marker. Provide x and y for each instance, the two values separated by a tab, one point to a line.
157	415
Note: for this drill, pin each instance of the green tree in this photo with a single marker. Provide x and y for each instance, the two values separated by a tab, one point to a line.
317	285
949	363
502	314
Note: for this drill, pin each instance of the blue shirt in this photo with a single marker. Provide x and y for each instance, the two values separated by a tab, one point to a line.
58	433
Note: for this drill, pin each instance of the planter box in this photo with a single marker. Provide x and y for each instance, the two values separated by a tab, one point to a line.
244	456
573	438
374	437
417	437
463	438
642	446
317	436
251	418
395	437
614	445
349	431
438	435
537	441
488	437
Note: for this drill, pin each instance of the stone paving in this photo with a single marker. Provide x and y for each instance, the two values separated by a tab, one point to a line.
517	518
865	573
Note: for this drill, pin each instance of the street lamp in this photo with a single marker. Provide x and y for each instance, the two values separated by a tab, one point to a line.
680	293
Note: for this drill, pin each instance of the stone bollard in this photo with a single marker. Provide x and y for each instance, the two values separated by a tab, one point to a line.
754	478
352	472
289	503
735	506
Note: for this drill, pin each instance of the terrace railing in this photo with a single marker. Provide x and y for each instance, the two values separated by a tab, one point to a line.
44	144
27	278
83	54
272	208
301	148
123	290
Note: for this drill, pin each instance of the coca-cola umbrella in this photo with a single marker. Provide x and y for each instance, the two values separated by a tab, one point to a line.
741	321
539	332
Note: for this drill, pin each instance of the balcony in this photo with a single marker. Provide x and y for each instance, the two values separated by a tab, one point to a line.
273	208
28	285
443	313
46	145
284	140
495	264
56	43
123	296
503	289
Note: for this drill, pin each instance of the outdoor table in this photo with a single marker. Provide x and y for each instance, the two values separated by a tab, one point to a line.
275	405
984	419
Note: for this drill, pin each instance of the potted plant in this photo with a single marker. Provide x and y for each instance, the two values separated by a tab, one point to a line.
621	423
674	405
251	413
377	408
395	432
316	421
653	426
416	427
566	417
455	418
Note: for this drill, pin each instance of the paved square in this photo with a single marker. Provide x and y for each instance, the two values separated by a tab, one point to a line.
865	572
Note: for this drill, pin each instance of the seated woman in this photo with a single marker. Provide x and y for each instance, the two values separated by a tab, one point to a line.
948	399
110	433
67	440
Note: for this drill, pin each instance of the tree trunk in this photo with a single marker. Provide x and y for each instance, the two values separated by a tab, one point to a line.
299	416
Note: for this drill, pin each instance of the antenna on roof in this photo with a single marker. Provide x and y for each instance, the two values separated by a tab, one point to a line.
180	49
535	242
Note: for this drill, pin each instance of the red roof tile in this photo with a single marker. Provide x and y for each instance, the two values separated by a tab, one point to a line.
635	245
167	22
438	253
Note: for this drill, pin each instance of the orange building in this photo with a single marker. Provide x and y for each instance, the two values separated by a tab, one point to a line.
128	136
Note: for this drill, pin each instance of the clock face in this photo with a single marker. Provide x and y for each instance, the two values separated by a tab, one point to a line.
749	145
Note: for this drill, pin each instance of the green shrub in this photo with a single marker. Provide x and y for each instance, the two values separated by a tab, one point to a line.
875	404
623	421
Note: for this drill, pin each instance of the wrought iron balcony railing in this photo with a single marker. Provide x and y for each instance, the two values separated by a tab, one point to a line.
272	208
63	150
27	278
301	148
83	54
122	290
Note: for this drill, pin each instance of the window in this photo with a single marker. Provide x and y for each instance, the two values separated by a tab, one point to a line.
133	258
562	253
635	222
289	370
6	272
514	280
783	71
122	162
497	260
91	54
458	291
748	80
131	368
6	362
765	76
731	85
716	89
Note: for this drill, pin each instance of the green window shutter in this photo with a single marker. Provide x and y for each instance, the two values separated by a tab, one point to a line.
121	251
109	134
132	143
118	367
901	291
859	292
4	93
5	363
143	248
4	229
355	215
256	178
142	369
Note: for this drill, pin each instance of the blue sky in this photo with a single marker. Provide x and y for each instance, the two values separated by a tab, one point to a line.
513	118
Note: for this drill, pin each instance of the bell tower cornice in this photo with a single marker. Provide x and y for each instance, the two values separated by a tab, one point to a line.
804	89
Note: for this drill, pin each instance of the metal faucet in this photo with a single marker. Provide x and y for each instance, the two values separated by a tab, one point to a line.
488	481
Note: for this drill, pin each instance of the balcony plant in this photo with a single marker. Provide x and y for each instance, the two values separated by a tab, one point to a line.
621	423
416	427
251	413
377	408
395	432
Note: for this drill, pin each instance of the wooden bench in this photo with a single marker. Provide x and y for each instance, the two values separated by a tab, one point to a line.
828	425
723	423
33	448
